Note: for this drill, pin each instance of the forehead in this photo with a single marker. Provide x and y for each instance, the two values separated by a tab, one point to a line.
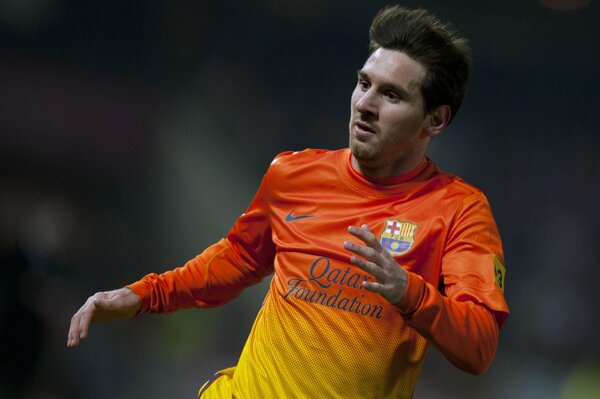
394	67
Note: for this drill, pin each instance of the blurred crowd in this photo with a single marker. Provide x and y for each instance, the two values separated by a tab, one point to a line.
132	134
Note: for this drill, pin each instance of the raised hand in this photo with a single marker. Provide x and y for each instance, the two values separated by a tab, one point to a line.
390	278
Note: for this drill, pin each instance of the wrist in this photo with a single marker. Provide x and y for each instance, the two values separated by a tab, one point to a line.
413	294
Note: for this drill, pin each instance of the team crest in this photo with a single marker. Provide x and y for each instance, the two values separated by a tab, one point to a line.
398	237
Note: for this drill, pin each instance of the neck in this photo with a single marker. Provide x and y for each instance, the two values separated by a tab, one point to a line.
389	170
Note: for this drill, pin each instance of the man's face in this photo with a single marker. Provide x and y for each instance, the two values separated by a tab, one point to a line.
387	120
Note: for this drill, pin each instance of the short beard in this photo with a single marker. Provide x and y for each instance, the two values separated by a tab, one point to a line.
365	156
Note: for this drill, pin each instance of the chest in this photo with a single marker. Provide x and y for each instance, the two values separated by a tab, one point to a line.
413	230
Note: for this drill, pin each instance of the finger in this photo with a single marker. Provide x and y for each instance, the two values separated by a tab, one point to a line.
73	336
88	316
365	234
368	267
371	239
373	287
76	322
366	252
386	291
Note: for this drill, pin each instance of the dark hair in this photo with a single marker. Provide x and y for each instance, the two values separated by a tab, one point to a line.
445	55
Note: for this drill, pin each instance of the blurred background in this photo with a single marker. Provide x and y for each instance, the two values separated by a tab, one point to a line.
132	134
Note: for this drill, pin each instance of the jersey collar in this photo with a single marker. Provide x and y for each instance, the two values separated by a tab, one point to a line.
389	186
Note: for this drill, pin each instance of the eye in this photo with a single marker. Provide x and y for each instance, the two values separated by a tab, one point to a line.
392	96
364	84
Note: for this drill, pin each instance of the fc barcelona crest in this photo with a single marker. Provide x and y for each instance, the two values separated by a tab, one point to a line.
398	237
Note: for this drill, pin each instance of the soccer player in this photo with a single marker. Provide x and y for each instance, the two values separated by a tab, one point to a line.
375	252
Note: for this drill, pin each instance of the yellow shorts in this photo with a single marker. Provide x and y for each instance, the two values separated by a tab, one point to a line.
219	386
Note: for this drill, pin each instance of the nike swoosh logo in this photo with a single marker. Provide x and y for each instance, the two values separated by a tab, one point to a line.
290	218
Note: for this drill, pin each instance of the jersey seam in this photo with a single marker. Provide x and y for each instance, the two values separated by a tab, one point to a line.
212	258
471	287
452	224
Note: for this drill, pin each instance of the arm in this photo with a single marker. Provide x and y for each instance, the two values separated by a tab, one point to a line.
464	322
221	272
465	333
216	276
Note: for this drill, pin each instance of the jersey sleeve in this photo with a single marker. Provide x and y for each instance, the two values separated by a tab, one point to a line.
220	272
473	261
463	320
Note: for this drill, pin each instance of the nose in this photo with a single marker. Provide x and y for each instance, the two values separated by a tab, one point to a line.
366	103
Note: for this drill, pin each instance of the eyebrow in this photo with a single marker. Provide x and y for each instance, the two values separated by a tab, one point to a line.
386	85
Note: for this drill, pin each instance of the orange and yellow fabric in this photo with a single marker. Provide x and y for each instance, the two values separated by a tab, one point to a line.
318	333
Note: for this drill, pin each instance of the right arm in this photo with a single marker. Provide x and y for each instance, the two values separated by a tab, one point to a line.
216	276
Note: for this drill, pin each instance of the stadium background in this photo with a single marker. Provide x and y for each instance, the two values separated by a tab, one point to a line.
132	134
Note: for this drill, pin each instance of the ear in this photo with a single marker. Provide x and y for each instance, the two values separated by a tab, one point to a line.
438	119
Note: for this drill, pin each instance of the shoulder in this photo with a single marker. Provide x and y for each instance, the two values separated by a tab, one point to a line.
292	170
305	160
456	198
459	190
308	155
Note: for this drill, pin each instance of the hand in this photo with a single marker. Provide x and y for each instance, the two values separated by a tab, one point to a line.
102	306
391	279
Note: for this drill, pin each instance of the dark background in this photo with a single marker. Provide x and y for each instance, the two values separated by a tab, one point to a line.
132	134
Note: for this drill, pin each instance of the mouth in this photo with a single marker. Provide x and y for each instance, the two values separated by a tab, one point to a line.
363	128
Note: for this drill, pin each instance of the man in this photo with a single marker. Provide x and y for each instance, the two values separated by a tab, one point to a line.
376	253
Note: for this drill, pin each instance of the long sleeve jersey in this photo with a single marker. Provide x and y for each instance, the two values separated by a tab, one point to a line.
319	333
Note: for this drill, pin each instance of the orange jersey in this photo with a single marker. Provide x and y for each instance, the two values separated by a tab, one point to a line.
319	334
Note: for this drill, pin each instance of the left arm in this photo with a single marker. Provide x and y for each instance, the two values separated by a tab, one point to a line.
464	331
